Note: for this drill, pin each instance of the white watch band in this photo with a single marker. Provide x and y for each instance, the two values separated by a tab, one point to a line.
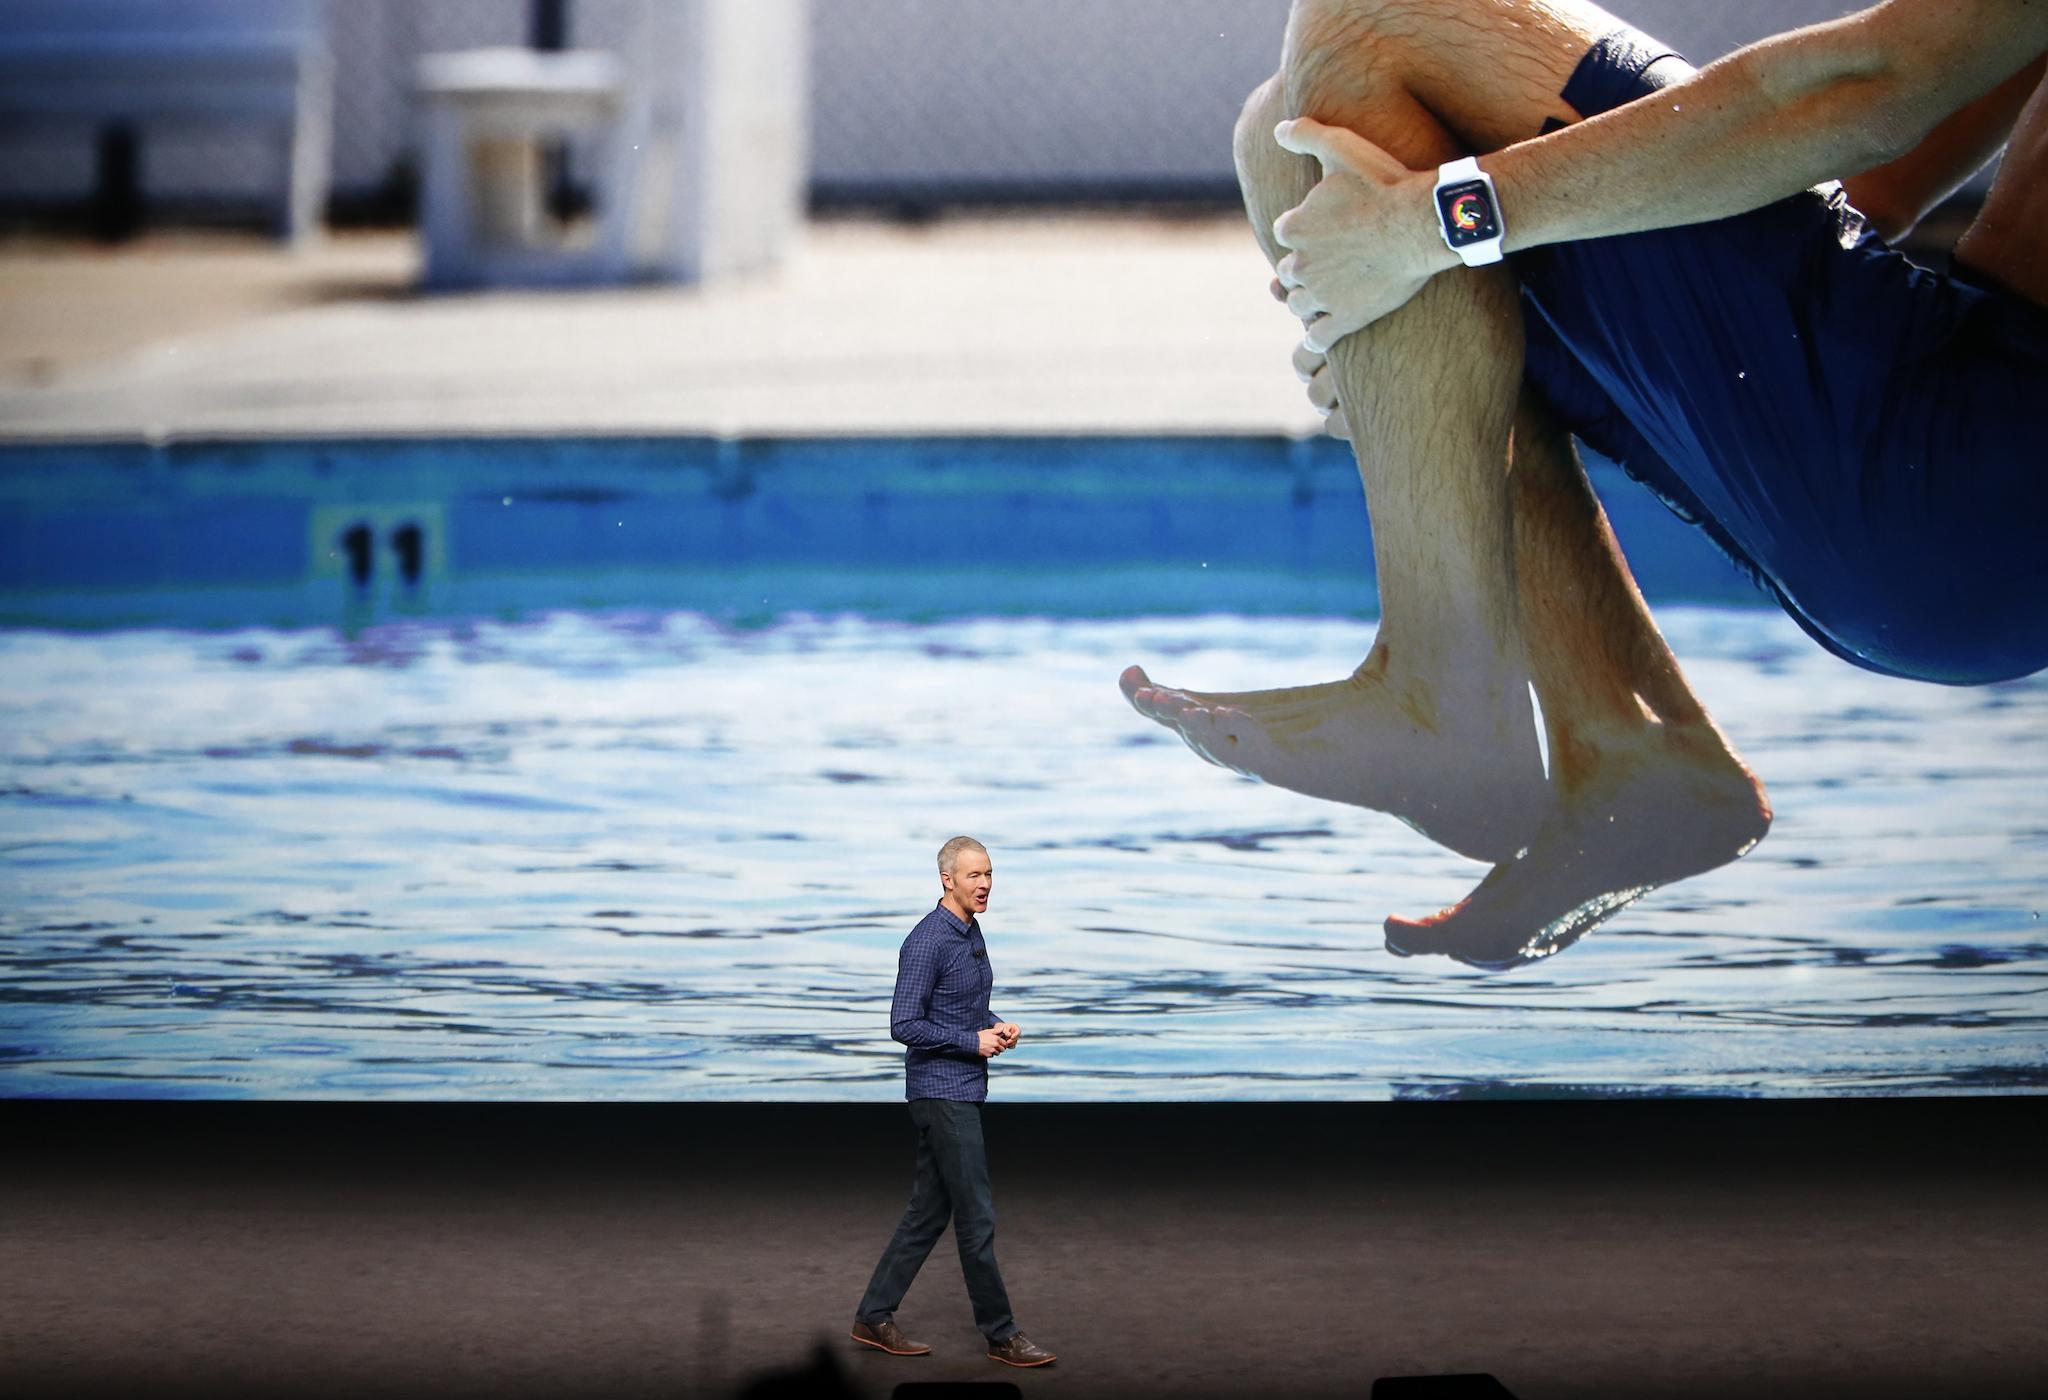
1463	171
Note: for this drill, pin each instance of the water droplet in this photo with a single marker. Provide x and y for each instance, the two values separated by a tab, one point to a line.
1742	374
507	501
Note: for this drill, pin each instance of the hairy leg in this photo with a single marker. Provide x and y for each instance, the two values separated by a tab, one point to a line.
2004	240
1436	725
1646	788
1495	559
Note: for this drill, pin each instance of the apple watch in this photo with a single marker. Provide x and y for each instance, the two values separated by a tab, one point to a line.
1468	212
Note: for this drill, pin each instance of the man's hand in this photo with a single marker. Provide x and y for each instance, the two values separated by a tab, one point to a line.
990	1043
1312	368
1009	1031
1365	239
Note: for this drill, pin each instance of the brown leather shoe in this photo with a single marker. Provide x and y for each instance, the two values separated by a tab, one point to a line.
1019	1350
887	1336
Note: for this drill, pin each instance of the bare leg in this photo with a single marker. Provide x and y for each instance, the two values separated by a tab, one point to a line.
1435	726
2004	241
1647	790
1643	789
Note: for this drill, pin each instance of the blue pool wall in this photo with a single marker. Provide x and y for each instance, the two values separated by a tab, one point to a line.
231	533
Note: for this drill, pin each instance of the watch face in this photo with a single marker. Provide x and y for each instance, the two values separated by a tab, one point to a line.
1467	212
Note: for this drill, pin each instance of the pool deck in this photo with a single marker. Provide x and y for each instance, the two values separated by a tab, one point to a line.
1113	323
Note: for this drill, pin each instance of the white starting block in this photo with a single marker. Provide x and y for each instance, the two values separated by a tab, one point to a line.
488	111
697	132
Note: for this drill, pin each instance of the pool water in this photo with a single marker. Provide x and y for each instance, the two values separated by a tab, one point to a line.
660	854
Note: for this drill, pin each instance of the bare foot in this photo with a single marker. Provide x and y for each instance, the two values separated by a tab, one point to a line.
1462	769
1656	812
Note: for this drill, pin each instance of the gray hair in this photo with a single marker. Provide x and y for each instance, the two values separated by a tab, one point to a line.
953	848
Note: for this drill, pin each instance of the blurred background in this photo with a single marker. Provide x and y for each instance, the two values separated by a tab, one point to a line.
888	173
178	167
901	105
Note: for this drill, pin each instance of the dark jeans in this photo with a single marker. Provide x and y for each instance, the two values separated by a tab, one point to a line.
952	1181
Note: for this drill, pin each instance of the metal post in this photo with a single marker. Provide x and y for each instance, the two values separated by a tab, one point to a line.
548	31
117	198
549	27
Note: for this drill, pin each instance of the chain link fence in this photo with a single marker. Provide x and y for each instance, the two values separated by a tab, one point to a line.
912	102
941	99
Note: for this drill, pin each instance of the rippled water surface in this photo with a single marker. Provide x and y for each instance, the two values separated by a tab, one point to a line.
644	856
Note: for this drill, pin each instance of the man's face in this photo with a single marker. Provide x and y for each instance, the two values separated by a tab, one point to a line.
971	880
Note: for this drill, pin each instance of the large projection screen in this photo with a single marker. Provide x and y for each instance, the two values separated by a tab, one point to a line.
611	763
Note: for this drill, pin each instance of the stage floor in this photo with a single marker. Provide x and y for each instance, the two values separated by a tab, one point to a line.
1663	1249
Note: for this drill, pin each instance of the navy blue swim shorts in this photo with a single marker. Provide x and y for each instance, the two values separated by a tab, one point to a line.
1862	436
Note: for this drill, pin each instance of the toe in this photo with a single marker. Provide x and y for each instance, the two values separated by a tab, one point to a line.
1406	938
1410	938
1172	708
1132	681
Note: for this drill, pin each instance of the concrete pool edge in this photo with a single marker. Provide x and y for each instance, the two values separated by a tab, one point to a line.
299	516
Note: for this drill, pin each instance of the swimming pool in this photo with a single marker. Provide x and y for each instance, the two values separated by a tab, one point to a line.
619	777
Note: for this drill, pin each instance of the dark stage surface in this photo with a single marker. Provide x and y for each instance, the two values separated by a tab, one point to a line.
1638	1249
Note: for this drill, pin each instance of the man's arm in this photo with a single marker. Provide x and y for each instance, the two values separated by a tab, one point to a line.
1764	122
917	973
1897	195
1767	121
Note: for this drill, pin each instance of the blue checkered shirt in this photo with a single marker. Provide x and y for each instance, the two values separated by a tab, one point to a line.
941	1008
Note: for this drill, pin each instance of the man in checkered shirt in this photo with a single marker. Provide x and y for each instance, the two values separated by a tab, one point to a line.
942	1017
